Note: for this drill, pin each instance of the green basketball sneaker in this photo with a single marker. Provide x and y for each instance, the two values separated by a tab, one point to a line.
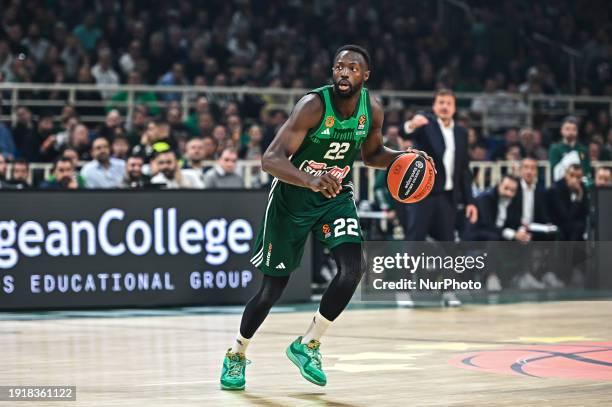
232	374
308	359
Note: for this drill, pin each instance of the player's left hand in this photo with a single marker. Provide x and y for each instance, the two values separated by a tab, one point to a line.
424	155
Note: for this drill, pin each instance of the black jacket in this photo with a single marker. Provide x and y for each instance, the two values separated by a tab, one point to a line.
429	138
540	210
569	216
487	204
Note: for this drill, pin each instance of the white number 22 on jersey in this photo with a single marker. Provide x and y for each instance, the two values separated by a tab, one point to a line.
336	151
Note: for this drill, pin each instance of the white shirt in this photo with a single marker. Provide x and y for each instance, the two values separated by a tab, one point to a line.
449	152
98	176
528	202
189	180
502	214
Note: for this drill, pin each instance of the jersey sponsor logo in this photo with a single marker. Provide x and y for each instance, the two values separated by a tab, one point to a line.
329	121
361	122
317	169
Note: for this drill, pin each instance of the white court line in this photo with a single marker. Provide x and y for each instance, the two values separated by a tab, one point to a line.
176	383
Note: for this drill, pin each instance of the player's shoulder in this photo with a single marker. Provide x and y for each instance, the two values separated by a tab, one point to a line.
310	104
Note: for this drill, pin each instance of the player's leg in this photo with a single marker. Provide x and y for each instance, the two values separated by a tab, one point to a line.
255	312
276	254
339	229
257	309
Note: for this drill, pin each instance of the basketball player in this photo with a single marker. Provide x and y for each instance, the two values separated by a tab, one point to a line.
311	159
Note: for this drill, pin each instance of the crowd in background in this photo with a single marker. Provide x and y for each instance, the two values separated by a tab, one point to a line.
414	45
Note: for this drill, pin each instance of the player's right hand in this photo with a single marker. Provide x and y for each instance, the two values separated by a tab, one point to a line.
326	184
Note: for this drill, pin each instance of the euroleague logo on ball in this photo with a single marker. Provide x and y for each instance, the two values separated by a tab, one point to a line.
410	178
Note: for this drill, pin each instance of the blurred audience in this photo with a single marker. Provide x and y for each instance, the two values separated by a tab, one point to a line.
103	171
223	174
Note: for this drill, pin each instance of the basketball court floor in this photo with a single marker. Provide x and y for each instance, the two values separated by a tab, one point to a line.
529	354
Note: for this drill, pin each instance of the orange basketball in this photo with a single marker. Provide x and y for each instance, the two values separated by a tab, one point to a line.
410	178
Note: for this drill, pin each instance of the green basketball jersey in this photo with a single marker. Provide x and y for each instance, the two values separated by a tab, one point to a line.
335	143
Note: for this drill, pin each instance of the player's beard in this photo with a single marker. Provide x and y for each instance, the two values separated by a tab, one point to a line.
344	94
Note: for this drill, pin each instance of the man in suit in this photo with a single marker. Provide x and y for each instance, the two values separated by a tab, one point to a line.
499	214
499	219
568	204
531	194
446	142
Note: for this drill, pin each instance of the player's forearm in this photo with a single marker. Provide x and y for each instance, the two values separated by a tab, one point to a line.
279	166
381	158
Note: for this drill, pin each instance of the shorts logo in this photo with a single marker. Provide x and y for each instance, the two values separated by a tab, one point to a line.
361	122
326	230
329	121
269	254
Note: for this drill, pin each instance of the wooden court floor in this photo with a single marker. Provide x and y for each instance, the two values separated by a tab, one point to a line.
530	354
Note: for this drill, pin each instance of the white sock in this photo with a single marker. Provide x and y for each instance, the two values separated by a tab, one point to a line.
317	328
240	344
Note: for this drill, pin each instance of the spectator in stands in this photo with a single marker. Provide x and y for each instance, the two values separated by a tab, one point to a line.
251	150
179	130
79	142
595	149
194	154
513	153
36	45
499	214
73	155
169	175
568	204
87	33
47	133
174	77
223	174
103	171
20	173
63	136
202	106
104	74
210	148
156	132
127	61
63	176
569	151
120	148
603	177
25	135
531	144
206	125
134	178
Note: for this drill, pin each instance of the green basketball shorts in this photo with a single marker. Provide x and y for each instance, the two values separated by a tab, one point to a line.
291	213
